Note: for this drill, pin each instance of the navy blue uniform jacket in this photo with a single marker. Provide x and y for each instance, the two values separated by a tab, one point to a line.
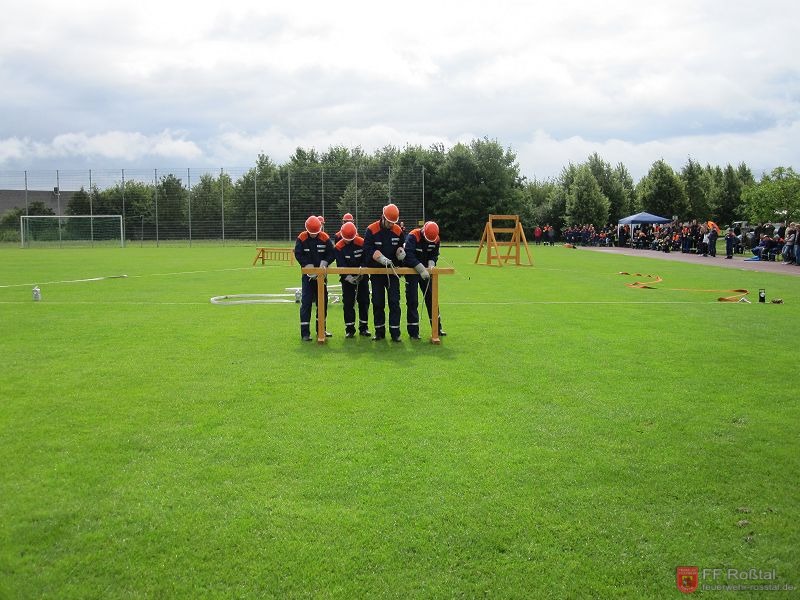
387	241
420	250
310	251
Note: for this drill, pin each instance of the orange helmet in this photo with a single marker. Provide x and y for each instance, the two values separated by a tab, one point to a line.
347	217
391	213
431	231
313	225
349	231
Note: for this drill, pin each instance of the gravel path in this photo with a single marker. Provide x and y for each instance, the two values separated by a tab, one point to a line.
737	262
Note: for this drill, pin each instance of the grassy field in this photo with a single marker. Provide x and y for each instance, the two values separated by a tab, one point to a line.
571	437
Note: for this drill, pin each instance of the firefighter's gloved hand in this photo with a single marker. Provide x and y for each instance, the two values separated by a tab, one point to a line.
431	264
401	253
420	268
384	261
351	279
323	264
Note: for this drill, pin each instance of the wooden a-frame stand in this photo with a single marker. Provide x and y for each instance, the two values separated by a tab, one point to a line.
493	246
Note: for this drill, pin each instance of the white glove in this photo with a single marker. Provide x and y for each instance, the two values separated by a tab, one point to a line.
401	253
384	261
420	268
431	264
351	279
323	264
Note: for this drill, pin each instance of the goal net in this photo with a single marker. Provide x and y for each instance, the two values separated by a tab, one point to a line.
71	230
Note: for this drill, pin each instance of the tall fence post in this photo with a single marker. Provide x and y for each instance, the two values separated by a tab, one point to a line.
124	225
58	200
222	202
91	210
423	194
155	189
189	200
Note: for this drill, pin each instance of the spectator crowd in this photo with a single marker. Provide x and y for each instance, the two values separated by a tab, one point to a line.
768	242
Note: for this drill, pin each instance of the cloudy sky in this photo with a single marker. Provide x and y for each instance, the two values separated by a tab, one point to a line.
212	84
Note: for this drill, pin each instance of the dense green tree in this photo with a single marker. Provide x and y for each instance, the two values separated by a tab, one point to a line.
661	192
745	175
586	203
612	187
626	181
729	197
80	203
536	202
698	191
557	204
205	207
480	179
775	198
171	198
10	222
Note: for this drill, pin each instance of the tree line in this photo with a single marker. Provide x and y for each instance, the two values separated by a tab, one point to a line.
459	186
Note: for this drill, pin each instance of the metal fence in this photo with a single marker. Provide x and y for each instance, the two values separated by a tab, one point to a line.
185	206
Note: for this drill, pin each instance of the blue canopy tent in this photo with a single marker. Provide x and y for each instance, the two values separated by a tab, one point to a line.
641	218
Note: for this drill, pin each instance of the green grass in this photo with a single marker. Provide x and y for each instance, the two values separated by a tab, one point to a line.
571	437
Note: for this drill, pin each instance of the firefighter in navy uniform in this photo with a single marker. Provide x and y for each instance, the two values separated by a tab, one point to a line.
422	252
383	247
346	218
313	248
355	288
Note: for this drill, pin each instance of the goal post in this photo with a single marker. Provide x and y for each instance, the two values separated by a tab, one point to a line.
71	230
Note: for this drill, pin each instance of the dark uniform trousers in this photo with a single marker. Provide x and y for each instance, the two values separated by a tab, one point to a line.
413	282
350	295
383	285
309	296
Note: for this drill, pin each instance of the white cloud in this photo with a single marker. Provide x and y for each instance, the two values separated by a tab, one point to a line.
762	151
218	83
112	145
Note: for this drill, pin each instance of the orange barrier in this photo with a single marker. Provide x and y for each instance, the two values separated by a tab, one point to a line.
275	254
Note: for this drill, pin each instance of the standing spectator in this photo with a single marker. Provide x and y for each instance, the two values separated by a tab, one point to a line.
702	240
789	244
383	241
355	288
686	239
313	248
537	235
422	250
730	244
713	234
551	235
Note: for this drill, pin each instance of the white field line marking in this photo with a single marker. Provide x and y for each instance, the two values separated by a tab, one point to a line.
115	303
66	281
123	277
523	303
526	302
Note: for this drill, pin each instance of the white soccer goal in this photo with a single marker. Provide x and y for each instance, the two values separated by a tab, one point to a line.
72	230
